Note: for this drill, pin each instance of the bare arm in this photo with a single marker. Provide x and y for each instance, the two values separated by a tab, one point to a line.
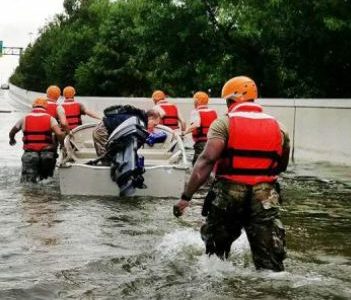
285	160
92	114
88	112
63	121
12	135
190	129
283	165
202	169
182	124
195	122
204	165
58	132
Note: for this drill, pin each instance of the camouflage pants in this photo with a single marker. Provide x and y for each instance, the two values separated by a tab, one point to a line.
198	148
37	165
256	210
100	137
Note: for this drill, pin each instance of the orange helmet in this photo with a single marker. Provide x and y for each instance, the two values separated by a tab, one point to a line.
69	92
240	89
53	92
158	96
40	102
201	98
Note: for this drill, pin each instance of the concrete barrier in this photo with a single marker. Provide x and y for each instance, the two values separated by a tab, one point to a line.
319	128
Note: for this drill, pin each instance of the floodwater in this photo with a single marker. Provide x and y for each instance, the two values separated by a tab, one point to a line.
59	247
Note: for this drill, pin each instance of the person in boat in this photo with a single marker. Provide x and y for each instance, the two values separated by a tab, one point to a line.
170	114
53	93
117	140
249	148
200	120
153	119
116	115
74	109
155	135
39	157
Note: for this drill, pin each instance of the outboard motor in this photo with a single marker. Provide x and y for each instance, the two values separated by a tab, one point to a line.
127	166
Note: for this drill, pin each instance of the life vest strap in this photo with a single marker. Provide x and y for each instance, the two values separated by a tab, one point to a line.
170	121
47	133
273	155
47	140
171	118
271	170
78	122
252	172
73	116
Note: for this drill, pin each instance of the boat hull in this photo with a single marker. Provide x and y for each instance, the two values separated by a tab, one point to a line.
162	181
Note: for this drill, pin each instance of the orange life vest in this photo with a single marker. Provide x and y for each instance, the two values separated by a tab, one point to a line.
254	146
207	116
37	133
170	118
72	112
51	109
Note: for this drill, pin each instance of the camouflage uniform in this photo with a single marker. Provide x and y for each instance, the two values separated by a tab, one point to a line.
198	148
100	137
256	209
37	165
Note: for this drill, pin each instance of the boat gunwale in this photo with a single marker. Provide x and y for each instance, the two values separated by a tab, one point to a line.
70	153
150	167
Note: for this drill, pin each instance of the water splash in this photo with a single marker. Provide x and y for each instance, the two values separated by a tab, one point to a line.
176	242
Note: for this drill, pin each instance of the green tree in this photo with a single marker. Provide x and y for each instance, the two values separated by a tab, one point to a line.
62	46
130	47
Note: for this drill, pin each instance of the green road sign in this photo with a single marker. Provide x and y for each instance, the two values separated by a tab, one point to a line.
0	48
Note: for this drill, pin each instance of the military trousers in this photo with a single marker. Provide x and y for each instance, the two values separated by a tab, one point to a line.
38	165
254	209
198	148
100	138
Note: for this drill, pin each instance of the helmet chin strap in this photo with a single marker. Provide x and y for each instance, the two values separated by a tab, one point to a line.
234	96
231	103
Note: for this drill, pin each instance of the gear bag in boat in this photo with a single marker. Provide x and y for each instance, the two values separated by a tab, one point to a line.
117	114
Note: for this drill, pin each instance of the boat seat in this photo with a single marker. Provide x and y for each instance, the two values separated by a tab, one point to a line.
159	153
154	158
88	144
86	153
156	162
155	154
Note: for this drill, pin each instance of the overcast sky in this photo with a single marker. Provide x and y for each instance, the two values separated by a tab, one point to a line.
20	21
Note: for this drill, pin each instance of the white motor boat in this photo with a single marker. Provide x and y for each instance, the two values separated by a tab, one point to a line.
165	166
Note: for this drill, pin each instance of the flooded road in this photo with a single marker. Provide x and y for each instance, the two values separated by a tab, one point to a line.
59	247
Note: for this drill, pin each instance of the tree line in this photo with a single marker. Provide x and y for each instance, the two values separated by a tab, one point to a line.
292	49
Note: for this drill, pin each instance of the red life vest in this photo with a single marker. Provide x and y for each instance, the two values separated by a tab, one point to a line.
207	116
72	112
37	133
254	146
51	109
170	118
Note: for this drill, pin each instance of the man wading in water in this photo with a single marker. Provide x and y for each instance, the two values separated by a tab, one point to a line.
250	149
39	157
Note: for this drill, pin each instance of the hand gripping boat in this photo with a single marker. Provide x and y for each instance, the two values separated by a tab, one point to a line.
155	171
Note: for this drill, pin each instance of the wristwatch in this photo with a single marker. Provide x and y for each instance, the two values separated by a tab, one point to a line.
185	197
